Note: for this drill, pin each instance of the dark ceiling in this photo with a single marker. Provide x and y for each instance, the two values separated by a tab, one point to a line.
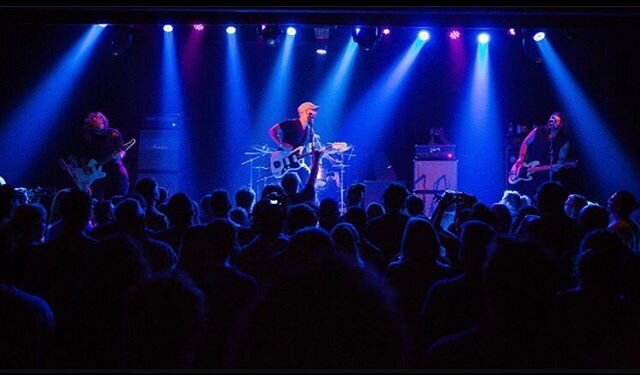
409	16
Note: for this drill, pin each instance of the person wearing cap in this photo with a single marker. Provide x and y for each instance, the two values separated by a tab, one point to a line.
290	134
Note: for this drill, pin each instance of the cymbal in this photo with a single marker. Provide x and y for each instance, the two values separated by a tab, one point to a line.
337	147
262	148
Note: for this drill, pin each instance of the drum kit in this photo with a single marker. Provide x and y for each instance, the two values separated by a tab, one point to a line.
337	155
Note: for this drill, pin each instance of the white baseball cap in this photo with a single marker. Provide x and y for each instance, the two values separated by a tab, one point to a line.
306	105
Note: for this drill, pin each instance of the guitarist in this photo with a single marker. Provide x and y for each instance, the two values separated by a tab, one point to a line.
98	141
547	144
290	134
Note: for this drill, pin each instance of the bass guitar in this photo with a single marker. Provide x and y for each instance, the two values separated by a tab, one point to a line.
284	161
84	177
528	169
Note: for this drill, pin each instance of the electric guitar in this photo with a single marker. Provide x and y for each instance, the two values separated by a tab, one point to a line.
84	177
284	161
528	169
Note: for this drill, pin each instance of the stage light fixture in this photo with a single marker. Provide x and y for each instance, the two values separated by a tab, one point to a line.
511	31
367	37
198	27
483	38
103	25
386	31
538	36
424	35
271	34
454	34
291	30
231	30
167	28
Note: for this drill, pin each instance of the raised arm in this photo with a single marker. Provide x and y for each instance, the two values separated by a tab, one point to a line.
522	155
274	134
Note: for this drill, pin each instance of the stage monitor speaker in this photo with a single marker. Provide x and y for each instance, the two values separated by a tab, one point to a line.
374	190
169	180
159	150
435	176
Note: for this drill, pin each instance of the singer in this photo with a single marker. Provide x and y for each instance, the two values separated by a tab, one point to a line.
548	145
290	134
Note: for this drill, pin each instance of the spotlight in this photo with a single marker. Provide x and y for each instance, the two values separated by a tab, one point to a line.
271	34
386	31
291	30
167	28
538	36
103	25
198	26
454	34
321	51
483	38
366	37
231	30
424	35
512	31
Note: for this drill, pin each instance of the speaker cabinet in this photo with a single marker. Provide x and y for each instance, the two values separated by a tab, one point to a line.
431	177
435	175
158	150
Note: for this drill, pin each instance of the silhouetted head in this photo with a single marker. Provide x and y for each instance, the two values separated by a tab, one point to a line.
239	216
475	238
268	218
328	213
130	216
414	205
550	198
420	242
220	203
347	239
622	203
269	189
355	195
28	224
503	217
103	212
573	205
147	187
290	183
393	197
599	264
75	208
374	209
180	210
592	217
300	216
481	212
245	198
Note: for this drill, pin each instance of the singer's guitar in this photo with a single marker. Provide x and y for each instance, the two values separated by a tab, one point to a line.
528	169
84	177
283	161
